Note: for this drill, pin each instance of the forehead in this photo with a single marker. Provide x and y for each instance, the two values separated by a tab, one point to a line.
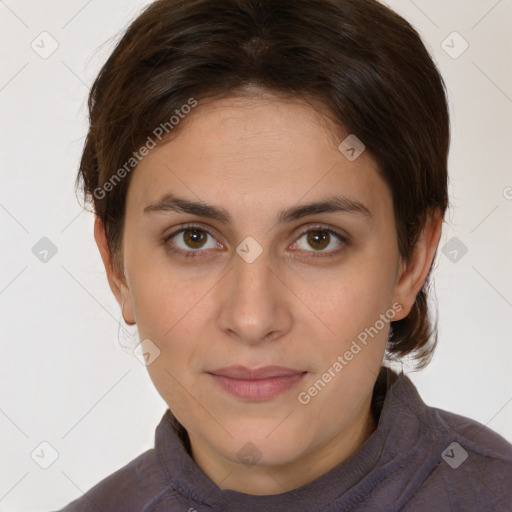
262	153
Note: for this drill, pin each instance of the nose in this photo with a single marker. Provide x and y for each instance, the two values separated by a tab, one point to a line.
256	305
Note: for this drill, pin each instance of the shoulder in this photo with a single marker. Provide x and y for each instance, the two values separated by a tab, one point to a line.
130	488
435	424
478	438
449	461
476	462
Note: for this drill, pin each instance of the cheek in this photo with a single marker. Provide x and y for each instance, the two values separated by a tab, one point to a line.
351	296
161	292
355	303
171	309
169	313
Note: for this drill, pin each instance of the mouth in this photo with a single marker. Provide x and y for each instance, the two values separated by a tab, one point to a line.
256	384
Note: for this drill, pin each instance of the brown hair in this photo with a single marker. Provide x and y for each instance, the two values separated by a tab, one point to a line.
364	63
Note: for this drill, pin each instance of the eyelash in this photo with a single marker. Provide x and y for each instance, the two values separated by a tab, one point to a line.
201	253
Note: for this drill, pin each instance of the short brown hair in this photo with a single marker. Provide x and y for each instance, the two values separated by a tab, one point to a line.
364	63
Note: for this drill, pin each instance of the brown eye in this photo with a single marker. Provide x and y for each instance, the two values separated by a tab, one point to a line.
321	240
191	240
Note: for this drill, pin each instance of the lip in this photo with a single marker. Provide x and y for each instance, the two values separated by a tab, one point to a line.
256	384
264	372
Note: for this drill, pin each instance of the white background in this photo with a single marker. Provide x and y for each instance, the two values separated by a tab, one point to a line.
64	377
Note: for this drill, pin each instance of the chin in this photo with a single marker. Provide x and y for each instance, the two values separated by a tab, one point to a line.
253	447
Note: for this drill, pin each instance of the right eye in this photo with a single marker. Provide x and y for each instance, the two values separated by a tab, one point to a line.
190	240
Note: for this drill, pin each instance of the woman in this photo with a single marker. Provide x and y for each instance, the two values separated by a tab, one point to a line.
269	180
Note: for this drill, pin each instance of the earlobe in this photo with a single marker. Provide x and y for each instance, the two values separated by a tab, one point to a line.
412	275
116	282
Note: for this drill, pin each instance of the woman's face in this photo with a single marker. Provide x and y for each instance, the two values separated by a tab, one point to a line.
251	240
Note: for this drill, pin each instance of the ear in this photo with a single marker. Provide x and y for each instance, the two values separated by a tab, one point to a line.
412	275
116	280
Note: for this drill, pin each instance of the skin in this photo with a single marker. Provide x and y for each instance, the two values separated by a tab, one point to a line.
293	306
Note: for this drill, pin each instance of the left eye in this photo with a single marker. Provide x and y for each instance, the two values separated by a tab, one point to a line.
321	240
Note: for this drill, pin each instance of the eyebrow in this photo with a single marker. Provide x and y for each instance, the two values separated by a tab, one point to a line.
172	203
